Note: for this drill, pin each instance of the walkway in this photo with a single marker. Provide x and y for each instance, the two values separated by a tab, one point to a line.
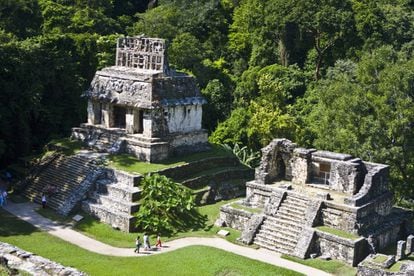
26	212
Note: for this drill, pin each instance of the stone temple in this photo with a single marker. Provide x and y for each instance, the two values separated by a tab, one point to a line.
141	107
307	202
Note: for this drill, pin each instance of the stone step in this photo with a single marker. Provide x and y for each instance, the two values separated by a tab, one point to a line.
293	215
298	197
280	228
294	207
277	242
112	203
290	212
298	203
272	247
276	235
286	223
124	222
286	210
120	192
289	218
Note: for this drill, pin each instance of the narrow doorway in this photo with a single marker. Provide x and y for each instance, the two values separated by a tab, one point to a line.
119	117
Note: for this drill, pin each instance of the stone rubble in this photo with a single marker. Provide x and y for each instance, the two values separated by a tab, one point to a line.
15	258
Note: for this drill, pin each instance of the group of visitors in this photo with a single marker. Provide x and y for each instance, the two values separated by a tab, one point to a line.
147	245
3	197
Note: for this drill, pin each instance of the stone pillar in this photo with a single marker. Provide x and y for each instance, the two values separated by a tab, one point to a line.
301	165
147	124
130	121
94	112
410	244
107	115
400	250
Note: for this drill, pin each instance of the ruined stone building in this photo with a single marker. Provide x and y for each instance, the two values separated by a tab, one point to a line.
140	106
307	201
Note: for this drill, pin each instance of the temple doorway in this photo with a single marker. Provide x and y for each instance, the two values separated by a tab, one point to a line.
119	117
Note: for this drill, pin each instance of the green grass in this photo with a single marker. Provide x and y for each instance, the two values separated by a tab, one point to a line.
380	258
193	260
131	164
334	267
106	234
248	209
69	147
395	267
337	232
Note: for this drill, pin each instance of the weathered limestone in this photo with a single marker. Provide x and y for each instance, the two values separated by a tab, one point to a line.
400	250
301	189
15	258
410	244
155	110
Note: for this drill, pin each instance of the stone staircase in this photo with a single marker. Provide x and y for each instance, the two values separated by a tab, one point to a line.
281	232
114	200
65	173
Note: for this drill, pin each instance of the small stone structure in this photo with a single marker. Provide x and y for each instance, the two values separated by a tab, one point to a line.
140	106
300	189
15	258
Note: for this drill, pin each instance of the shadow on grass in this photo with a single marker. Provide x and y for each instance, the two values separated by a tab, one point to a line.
12	226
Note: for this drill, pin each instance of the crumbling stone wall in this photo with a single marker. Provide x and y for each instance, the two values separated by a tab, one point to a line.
233	218
275	163
349	251
16	258
301	165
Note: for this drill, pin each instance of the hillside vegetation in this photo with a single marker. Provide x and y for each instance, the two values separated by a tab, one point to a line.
336	75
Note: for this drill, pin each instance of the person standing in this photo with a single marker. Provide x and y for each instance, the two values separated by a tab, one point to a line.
44	200
137	244
146	242
158	244
4	194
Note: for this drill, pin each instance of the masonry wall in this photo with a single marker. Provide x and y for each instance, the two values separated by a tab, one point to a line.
349	251
234	218
183	118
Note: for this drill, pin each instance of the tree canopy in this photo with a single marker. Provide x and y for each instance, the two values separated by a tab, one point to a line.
337	75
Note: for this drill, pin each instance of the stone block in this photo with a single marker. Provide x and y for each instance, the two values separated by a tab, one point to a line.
401	245
77	218
223	233
410	244
323	195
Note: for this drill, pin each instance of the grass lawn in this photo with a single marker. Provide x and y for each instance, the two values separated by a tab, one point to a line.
193	260
334	267
131	164
105	233
248	209
336	232
70	147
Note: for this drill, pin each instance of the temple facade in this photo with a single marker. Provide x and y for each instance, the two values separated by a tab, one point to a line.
140	106
308	202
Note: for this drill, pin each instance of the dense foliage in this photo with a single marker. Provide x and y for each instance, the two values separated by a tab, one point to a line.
337	75
165	206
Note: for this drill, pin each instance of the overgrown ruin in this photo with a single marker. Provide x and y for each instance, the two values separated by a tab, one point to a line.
307	202
141	107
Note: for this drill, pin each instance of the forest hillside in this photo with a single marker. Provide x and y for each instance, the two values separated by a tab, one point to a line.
332	74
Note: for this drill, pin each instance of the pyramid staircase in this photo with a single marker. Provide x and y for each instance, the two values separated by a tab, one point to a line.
281	231
114	200
65	173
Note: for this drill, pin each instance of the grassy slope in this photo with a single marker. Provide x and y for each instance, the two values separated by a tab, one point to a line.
194	260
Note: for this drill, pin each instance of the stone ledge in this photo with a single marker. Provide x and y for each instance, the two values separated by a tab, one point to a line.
35	265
